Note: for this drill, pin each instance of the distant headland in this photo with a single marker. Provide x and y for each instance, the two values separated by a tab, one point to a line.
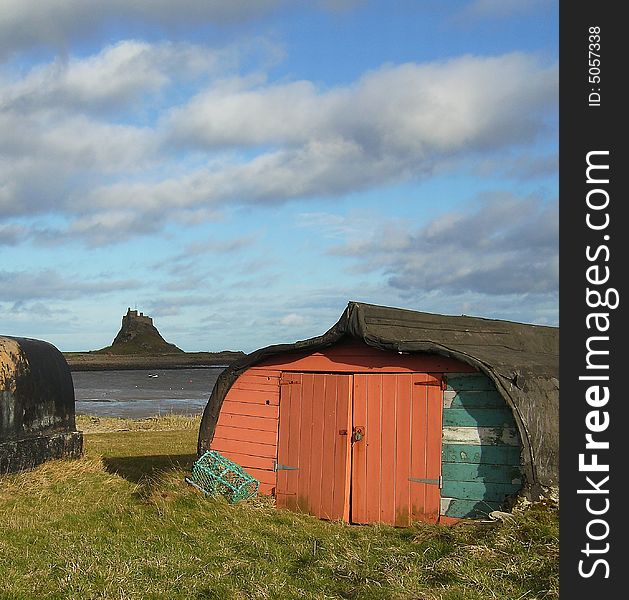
139	345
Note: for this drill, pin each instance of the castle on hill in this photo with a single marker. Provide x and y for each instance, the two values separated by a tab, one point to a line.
138	335
132	315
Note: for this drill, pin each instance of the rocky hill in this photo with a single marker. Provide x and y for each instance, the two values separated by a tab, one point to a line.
139	345
139	336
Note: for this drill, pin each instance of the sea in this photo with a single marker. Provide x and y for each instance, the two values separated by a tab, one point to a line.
137	394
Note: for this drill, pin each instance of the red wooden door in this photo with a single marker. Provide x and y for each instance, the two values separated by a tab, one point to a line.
313	459
396	466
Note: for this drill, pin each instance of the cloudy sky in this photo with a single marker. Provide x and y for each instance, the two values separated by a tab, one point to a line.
241	170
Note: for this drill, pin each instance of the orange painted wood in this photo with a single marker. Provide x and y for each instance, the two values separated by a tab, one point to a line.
418	468
253	462
359	452
340	397
449	520
252	396
254	449
373	443
342	465
357	357
310	411
329	479
266	489
403	427
246	435
283	499
257	423
398	428
317	446
251	377
260	371
433	452
267	411
387	483
295	389
262	475
305	463
256	386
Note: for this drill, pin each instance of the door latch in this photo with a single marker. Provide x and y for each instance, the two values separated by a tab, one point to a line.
358	433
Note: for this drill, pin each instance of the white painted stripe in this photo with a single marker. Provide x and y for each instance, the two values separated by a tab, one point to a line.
448	397
445	504
481	436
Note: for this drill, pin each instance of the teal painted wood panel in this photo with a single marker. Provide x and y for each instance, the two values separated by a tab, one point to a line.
481	448
468	509
478	417
469	490
495	455
477	399
469	382
489	473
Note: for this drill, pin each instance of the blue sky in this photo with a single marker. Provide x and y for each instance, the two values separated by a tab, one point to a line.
241	170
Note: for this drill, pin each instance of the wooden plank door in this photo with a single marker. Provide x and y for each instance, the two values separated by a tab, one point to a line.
396	466
313	457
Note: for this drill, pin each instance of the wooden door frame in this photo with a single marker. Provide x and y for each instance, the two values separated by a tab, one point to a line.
330	430
430	439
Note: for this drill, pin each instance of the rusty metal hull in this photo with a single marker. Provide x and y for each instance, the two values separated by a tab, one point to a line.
36	405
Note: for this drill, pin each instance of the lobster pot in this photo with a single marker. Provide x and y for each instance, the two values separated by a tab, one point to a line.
215	474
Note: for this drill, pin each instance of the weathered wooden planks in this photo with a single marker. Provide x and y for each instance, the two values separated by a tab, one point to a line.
469	382
493	455
400	451
479	490
479	473
472	399
478	417
455	507
481	448
246	430
481	436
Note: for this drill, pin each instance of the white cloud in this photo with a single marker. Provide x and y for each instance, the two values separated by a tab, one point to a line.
502	245
251	141
26	23
117	76
468	102
292	320
394	124
11	234
16	286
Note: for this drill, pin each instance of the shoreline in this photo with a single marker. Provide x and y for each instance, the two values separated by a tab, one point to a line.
91	361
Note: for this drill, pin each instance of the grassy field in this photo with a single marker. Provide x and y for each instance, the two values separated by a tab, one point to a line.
120	523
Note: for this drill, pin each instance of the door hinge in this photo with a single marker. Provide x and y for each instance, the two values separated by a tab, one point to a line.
442	383
278	467
438	482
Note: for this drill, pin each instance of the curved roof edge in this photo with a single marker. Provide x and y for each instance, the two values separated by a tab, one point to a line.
521	359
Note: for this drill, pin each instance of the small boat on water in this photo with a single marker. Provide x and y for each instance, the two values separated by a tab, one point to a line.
153	375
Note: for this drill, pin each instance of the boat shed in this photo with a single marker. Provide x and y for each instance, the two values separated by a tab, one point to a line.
394	416
37	421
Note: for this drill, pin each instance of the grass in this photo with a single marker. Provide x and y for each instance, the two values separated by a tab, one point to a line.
120	523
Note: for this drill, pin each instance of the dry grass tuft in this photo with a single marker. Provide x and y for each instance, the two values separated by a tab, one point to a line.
89	424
